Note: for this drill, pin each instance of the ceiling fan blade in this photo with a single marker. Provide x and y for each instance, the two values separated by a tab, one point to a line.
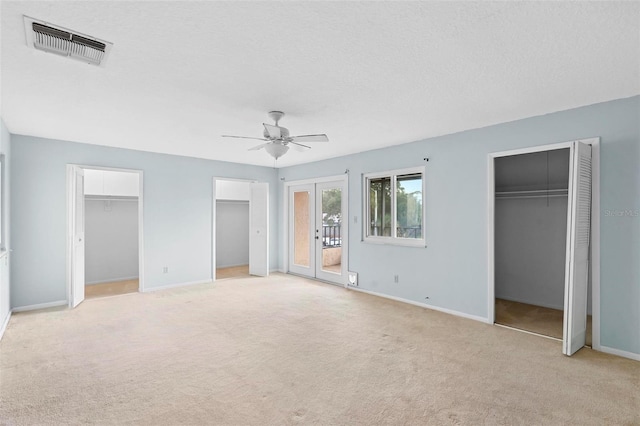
243	137
274	131
310	138
299	146
257	147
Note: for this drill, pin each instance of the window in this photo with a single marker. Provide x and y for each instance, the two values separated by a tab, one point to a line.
394	207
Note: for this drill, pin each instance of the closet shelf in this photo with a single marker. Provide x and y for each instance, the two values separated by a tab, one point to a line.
110	198
540	193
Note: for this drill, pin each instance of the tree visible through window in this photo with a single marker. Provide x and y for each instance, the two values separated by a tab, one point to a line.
409	205
394	206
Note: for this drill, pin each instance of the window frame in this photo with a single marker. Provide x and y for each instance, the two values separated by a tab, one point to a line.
393	239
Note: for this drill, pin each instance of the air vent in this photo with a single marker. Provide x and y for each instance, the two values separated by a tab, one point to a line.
54	39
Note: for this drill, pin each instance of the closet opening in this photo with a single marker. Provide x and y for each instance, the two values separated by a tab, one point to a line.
541	243
240	228
111	232
232	229
104	232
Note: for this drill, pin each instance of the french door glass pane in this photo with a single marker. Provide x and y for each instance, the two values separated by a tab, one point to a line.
301	241
409	205
380	207
331	230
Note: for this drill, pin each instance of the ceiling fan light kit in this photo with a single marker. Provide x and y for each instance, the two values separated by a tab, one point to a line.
276	150
278	138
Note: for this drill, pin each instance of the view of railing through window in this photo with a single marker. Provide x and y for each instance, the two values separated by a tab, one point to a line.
331	236
332	230
407	204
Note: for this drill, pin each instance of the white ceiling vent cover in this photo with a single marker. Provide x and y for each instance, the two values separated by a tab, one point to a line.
61	41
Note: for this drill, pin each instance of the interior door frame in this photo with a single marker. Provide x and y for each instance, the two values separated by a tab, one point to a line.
594	265
71	223
214	216
285	219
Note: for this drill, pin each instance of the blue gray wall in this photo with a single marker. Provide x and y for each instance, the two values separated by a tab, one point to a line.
5	146
452	270
177	213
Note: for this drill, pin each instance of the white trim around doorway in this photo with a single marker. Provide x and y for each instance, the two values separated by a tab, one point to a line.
140	173
595	227
285	218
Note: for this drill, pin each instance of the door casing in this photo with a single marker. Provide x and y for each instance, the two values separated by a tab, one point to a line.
71	224
344	179
594	266
214	220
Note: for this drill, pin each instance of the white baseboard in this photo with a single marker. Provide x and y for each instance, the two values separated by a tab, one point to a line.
424	305
168	286
5	323
618	352
111	280
40	306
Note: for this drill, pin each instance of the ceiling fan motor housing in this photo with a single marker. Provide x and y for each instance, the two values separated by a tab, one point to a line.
284	133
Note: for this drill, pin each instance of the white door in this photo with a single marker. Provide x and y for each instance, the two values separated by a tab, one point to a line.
301	230
317	232
577	267
330	246
77	236
259	229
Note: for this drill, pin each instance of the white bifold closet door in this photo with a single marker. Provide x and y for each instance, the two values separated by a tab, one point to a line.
578	239
76	235
259	229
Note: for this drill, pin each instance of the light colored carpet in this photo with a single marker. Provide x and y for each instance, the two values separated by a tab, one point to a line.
111	288
537	319
284	350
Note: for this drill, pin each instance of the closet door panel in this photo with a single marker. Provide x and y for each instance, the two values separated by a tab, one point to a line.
578	236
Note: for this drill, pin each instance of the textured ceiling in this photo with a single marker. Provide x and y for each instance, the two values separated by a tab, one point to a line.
368	75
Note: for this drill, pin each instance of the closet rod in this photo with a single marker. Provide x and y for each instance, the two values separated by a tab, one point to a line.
533	194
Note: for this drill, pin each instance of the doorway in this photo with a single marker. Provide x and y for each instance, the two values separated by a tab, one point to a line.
232	229
318	230
105	232
541	247
240	228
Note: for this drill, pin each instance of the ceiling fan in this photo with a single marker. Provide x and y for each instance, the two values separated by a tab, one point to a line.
278	139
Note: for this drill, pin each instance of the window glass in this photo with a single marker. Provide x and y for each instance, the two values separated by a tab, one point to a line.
380	207
394	207
409	205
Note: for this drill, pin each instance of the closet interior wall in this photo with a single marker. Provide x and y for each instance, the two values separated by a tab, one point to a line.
232	223
531	228
111	226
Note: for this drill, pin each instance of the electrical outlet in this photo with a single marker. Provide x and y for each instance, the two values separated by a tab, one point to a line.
396	279
165	270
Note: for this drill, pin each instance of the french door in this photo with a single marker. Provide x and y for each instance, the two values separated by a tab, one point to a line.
317	231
